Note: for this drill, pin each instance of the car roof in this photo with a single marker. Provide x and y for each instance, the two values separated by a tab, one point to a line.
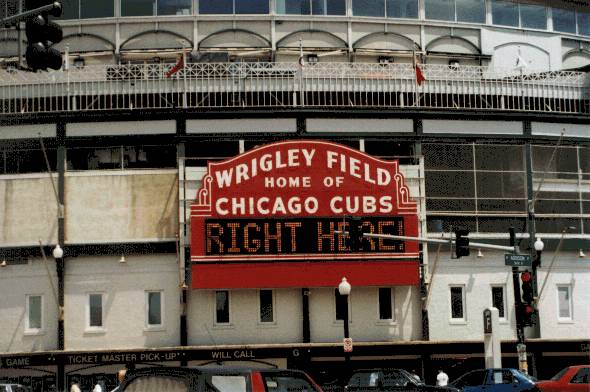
181	371
378	370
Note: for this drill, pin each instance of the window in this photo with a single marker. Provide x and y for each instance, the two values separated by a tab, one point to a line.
234	6
386	303
138	7
504	13
174	7
457	303
71	9
96	9
275	383
154	308
564	20
473	11
471	379
533	16
222	307
121	157
581	377
34	320
501	377
8	8
158	383
511	13
266	306
95	311
368	8
440	9
84	9
16	159
341	304
564	302
154	7
498	300
402	9
583	22
311	7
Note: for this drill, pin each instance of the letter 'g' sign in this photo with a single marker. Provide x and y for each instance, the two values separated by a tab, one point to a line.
487	321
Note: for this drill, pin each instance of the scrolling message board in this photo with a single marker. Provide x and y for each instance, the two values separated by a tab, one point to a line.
278	216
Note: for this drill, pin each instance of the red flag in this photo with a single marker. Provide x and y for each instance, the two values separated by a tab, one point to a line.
176	68
419	75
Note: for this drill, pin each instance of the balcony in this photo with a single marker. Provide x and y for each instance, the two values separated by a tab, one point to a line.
287	85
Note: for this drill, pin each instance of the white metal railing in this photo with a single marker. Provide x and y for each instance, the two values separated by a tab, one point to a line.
259	85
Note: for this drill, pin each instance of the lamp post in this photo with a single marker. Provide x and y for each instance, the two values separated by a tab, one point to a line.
57	252
344	290
539	246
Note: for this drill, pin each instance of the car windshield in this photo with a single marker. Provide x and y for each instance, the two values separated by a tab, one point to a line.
559	374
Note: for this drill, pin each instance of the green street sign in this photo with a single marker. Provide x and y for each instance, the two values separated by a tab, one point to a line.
517	260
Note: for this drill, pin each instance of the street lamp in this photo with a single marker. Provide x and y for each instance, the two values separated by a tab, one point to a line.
58	252
344	290
539	246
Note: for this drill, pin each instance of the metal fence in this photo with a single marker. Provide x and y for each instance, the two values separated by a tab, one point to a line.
288	85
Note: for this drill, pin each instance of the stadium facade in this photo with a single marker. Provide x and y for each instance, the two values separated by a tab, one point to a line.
199	161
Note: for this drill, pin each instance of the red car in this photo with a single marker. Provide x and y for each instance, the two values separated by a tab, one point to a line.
570	379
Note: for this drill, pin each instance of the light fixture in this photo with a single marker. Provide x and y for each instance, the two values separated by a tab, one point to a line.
581	254
344	287
122	259
79	62
385	59
3	264
479	253
58	252
539	245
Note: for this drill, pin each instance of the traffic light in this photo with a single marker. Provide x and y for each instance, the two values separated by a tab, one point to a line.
41	35
355	233
527	309
461	242
526	286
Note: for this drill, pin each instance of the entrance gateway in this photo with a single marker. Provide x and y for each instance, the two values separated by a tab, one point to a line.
278	215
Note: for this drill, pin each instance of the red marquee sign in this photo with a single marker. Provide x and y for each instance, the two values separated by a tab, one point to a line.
279	215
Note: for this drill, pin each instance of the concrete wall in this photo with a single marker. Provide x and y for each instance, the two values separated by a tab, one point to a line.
477	275
244	327
28	211
364	315
568	269
101	207
16	282
124	315
121	206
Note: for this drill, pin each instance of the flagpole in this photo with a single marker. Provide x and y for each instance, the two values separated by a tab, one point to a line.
414	65
301	62
184	103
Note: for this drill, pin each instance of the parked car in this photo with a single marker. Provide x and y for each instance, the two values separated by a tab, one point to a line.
389	380
570	379
216	379
495	380
13	388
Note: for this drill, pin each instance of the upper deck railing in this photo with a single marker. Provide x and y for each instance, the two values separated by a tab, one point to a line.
288	85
